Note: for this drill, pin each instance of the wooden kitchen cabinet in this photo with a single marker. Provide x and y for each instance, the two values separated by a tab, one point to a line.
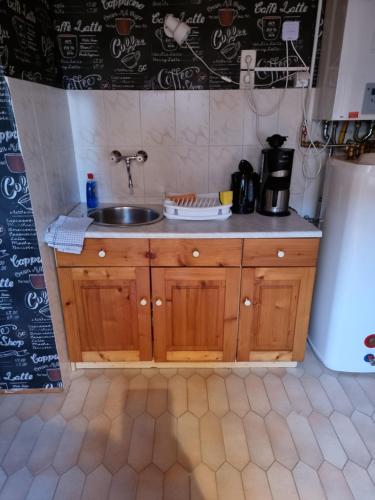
274	313
188	299
107	313
195	315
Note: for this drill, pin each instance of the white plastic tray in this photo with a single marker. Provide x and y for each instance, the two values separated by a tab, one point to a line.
207	206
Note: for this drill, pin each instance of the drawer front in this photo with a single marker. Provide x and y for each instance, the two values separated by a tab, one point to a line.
108	252
196	252
302	252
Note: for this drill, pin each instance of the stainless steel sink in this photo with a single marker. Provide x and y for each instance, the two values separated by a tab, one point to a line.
125	216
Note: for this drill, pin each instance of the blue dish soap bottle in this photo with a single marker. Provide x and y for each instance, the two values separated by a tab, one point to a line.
91	192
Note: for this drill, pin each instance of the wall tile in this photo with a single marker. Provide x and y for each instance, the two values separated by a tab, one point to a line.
268	124
53	126
253	154
95	160
290	115
158	118
226	117
223	161
123	117
192	117
191	169
87	118
298	182
161	172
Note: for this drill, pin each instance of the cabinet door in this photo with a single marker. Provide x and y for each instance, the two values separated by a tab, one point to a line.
274	313
195	313
107	313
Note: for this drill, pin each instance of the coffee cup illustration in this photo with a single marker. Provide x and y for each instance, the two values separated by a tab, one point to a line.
227	15
168	44
124	25
231	50
37	281
54	374
68	46
270	27
15	163
130	60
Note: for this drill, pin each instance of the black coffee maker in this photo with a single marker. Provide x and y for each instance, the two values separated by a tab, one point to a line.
276	174
245	186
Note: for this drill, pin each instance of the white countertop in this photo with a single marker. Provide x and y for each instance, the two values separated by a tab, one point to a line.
237	226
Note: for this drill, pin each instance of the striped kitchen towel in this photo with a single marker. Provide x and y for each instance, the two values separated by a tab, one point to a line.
67	234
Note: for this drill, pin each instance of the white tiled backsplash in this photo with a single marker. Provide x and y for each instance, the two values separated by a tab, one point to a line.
194	139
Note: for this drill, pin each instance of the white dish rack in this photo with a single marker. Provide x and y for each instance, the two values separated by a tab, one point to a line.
205	206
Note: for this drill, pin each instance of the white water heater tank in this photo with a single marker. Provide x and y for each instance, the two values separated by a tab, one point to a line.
342	326
346	78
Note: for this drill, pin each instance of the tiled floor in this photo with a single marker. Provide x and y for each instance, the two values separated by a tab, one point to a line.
199	434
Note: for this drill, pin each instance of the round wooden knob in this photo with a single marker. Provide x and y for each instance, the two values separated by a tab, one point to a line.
247	302
280	254
158	302
101	253
143	301
196	253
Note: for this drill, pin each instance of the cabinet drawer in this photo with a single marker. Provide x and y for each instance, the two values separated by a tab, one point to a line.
108	252
196	252
281	252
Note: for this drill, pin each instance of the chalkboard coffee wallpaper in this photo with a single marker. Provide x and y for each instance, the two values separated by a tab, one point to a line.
121	44
28	357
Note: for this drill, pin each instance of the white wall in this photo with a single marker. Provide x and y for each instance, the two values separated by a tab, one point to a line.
195	140
43	125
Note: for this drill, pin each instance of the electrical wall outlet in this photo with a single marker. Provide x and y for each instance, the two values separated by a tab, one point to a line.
301	79
246	80
244	55
290	31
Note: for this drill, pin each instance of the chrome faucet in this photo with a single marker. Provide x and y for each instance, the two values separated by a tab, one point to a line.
140	157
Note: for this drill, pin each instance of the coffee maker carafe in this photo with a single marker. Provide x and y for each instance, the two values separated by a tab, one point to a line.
276	174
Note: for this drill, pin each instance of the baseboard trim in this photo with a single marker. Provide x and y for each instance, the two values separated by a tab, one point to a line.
196	364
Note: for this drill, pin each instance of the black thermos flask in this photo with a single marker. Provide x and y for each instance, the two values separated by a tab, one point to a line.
245	185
